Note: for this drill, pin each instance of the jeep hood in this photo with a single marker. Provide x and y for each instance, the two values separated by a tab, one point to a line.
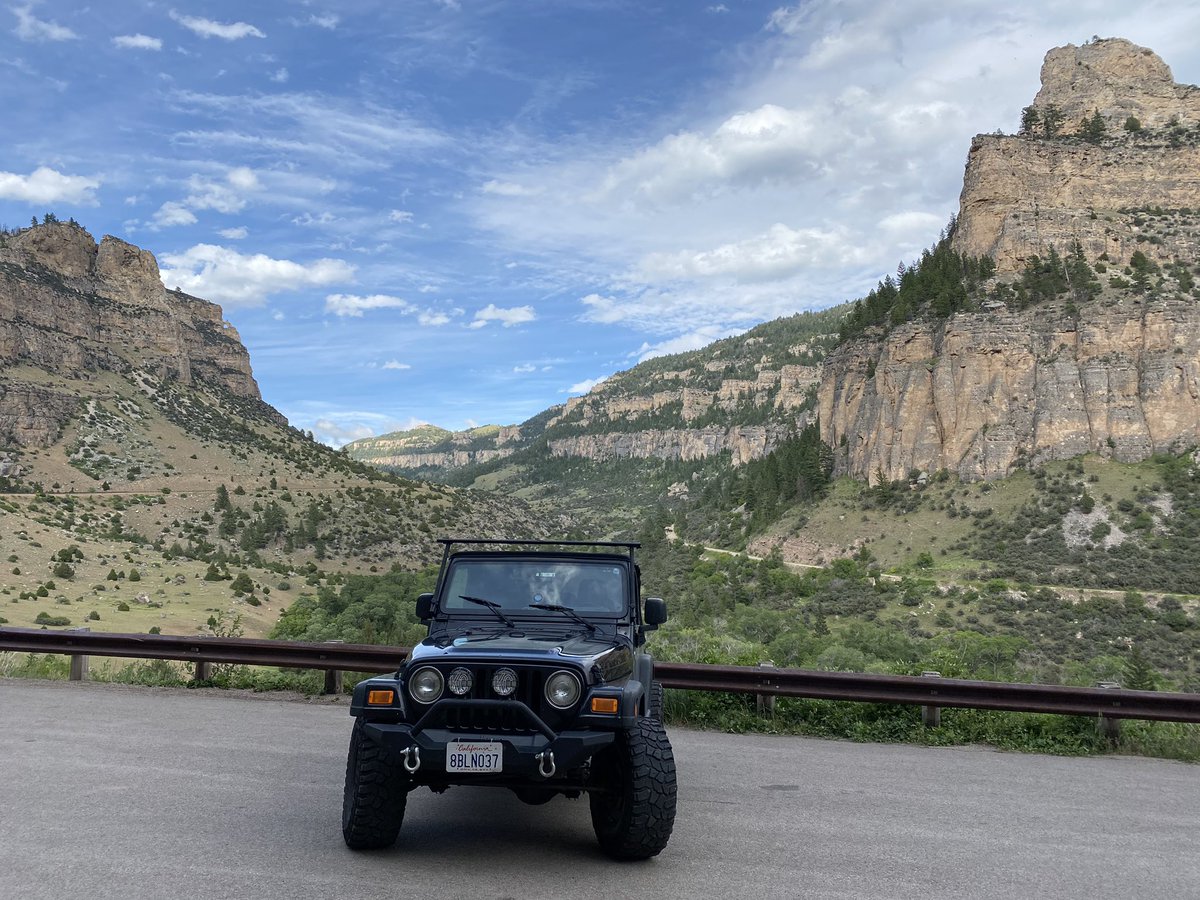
613	654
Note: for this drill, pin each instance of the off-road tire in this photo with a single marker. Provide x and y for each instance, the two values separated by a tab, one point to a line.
375	796
633	807
655	704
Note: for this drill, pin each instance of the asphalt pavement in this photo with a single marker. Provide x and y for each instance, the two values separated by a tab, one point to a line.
130	792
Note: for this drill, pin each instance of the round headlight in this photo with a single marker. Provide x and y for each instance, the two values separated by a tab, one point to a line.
460	681
562	690
504	682
425	686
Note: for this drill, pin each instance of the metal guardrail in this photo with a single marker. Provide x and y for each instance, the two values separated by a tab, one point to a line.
1112	703
932	693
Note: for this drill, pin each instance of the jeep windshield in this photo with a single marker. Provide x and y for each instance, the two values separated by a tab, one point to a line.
510	586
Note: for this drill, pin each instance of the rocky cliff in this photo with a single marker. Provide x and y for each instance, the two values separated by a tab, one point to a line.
72	308
1025	193
982	392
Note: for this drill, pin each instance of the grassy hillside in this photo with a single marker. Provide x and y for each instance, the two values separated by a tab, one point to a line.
162	506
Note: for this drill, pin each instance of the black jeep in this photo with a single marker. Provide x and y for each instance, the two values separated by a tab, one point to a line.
534	677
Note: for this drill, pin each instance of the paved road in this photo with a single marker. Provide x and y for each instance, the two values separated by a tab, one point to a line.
125	792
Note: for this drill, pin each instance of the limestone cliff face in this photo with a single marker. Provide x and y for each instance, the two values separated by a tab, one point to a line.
72	308
743	443
980	393
1024	194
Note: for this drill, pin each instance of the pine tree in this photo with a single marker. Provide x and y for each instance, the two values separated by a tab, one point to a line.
1052	120
1030	119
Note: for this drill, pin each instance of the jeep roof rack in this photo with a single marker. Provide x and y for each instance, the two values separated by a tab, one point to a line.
627	544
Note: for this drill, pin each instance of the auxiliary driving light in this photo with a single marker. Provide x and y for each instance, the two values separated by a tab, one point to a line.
504	682
562	690
460	681
425	686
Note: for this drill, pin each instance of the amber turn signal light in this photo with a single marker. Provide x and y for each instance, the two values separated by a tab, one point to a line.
604	705
380	698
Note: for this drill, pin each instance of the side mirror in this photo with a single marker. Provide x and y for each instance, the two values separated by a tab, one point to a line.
656	612
425	607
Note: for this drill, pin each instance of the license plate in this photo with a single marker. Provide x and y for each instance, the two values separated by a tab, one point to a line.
474	756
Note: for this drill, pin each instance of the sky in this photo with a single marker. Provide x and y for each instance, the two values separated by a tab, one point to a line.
463	212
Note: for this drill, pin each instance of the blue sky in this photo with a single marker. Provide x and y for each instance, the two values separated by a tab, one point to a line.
463	212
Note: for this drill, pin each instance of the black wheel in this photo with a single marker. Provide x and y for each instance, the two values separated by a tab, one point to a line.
633	807
655	705
376	793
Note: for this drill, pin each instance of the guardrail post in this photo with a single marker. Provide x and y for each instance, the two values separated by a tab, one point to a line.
333	677
79	662
765	702
1110	728
931	716
203	671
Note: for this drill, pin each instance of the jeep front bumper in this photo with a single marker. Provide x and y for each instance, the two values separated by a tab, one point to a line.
530	749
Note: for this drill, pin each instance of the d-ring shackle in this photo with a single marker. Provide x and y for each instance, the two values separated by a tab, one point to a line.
411	765
546	763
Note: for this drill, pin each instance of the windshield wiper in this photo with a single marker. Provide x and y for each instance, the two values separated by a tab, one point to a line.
490	604
568	611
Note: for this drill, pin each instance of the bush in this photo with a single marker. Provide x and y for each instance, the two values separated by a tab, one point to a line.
44	618
93	616
122	606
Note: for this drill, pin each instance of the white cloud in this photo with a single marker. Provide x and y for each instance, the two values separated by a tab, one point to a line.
207	28
507	189
236	279
395	364
45	185
31	28
137	42
582	387
718	8
522	369
278	315
234	234
693	340
328	21
280	75
354	305
171	214
433	319
506	317
308	220
335	131
777	252
228	197
329	432
400	215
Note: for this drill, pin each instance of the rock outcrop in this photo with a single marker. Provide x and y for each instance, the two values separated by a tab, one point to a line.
1024	194
743	443
982	393
1118	79
73	308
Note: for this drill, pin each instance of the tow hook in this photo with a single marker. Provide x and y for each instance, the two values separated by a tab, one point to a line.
412	759
545	763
